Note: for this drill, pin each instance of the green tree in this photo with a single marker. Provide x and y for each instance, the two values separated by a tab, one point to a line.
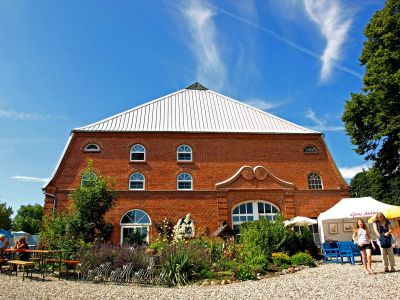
372	117
372	183
91	201
368	183
28	218
5	216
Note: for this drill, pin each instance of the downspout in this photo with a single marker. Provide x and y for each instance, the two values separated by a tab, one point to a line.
54	202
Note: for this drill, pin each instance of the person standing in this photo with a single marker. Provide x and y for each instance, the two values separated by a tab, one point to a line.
383	230
362	235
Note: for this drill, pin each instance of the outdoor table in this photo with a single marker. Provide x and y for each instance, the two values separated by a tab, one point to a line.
43	256
26	265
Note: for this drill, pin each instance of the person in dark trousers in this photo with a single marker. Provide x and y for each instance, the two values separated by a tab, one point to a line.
383	230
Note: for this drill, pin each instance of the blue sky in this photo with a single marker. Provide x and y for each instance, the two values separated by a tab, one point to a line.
65	64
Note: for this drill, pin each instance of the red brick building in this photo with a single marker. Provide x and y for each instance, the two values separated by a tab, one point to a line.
196	151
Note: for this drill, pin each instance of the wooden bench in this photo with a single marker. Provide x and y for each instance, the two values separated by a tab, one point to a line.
26	267
70	264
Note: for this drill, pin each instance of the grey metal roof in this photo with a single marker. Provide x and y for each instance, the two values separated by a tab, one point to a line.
195	109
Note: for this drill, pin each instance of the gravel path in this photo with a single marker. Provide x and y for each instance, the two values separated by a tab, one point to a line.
330	281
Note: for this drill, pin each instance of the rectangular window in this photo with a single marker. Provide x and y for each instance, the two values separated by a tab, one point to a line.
184	156
185	185
137	156
136	185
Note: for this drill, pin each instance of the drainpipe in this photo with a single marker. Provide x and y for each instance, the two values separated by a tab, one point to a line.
54	202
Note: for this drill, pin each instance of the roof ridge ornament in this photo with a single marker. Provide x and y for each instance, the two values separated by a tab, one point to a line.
196	86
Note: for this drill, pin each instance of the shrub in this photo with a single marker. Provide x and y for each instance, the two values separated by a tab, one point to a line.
178	269
245	272
116	255
264	237
158	244
302	259
281	259
165	230
212	245
58	233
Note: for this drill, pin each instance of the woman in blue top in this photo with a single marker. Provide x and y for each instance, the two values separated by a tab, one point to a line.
383	231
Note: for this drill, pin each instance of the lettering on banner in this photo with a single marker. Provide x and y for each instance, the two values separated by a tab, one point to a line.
364	214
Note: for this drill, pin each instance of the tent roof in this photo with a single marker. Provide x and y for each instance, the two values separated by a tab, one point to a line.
349	208
5	233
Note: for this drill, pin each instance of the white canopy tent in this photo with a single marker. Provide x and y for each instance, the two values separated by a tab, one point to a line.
335	223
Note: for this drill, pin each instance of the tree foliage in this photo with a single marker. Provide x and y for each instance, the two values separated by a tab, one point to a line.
83	223
372	183
28	218
372	117
5	216
90	204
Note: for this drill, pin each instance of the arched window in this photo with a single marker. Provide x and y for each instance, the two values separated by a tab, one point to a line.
88	178
314	181
92	148
184	153
132	221
136	181
184	182
138	153
310	150
252	211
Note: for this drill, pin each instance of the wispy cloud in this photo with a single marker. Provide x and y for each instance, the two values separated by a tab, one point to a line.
29	179
203	41
298	47
350	172
322	123
334	23
263	104
10	114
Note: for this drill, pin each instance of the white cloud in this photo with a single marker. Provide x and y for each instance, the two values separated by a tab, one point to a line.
263	104
321	123
203	37
350	172
10	114
334	23
29	179
290	43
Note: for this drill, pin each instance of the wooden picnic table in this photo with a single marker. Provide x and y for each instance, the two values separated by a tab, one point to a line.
26	266
43	258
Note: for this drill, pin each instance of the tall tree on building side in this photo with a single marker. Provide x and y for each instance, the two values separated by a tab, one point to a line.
372	116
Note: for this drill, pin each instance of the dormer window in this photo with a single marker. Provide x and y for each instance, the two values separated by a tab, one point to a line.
310	150
91	148
138	153
184	153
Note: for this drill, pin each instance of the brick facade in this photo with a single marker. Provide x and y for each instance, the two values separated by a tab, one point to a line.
227	169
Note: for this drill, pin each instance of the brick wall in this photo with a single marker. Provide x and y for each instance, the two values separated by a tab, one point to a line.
216	158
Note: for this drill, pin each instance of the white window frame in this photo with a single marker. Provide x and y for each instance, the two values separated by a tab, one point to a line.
315	151
134	225
130	180
91	150
178	152
308	181
184	180
256	215
132	151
